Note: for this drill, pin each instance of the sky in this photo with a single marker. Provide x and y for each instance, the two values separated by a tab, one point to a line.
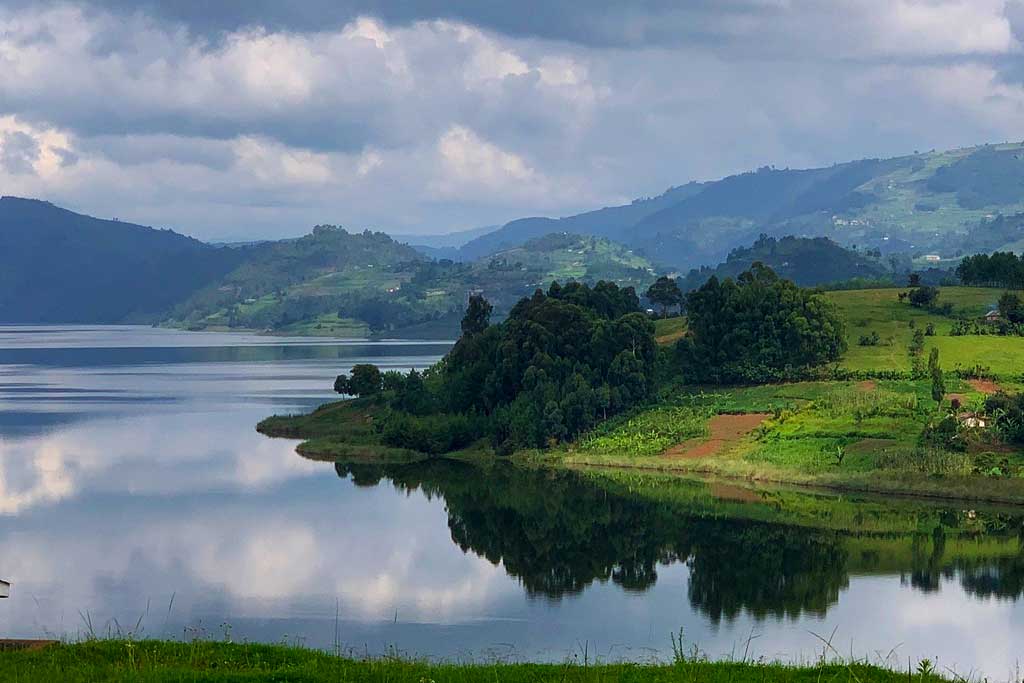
255	119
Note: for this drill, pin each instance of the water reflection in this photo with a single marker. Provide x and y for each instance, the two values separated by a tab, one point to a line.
132	483
558	533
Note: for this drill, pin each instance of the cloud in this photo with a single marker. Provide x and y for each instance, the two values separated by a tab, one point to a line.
260	120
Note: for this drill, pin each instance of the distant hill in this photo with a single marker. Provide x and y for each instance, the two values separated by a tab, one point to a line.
932	202
564	256
60	266
286	283
333	282
610	222
445	245
805	261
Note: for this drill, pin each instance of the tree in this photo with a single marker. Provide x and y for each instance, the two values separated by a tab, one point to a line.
478	316
938	381
757	328
665	292
1010	308
923	297
914	280
341	385
364	381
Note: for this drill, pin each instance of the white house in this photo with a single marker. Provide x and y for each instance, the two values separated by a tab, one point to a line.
932	258
5	589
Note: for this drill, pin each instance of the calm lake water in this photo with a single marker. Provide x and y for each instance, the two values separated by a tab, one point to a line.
135	495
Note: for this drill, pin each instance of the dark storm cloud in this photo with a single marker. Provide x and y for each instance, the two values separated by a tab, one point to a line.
588	22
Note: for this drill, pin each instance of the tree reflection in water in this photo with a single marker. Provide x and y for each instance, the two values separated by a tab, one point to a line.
558	533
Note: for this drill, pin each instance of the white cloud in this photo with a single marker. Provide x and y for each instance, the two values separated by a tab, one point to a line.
469	163
439	124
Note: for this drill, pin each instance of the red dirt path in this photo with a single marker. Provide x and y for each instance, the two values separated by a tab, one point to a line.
985	386
723	430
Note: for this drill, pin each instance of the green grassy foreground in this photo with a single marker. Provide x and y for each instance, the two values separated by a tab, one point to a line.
157	661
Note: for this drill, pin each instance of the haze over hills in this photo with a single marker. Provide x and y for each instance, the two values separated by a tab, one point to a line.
916	203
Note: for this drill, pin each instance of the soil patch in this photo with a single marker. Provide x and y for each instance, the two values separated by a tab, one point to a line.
867	385
985	386
723	431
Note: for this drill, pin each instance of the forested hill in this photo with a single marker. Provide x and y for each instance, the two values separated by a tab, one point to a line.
805	261
60	266
334	282
938	202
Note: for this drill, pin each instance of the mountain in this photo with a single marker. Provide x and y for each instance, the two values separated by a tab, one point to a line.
444	245
60	266
334	282
609	222
805	261
931	202
285	283
564	257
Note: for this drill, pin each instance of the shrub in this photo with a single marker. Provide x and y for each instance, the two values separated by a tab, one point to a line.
431	434
923	297
873	339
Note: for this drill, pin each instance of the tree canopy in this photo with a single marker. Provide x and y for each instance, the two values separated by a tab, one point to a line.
757	328
665	292
561	360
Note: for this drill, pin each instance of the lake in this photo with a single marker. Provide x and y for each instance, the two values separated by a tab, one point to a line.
137	497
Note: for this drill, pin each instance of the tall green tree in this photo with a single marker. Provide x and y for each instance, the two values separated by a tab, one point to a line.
478	316
938	381
757	328
665	292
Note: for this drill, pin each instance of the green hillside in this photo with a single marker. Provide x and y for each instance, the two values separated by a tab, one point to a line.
332	282
946	203
880	310
805	261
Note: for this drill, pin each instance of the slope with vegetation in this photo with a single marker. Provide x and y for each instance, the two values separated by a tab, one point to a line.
805	261
949	203
60	266
332	281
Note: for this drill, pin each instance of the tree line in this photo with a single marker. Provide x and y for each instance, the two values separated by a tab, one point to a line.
570	357
1000	269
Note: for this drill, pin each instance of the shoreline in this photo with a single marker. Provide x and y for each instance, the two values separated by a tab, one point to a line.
923	487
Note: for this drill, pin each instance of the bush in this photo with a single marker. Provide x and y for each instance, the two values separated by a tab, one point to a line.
873	339
431	434
923	297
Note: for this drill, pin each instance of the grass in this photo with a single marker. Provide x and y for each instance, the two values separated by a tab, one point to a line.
838	435
879	310
669	330
343	429
163	662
